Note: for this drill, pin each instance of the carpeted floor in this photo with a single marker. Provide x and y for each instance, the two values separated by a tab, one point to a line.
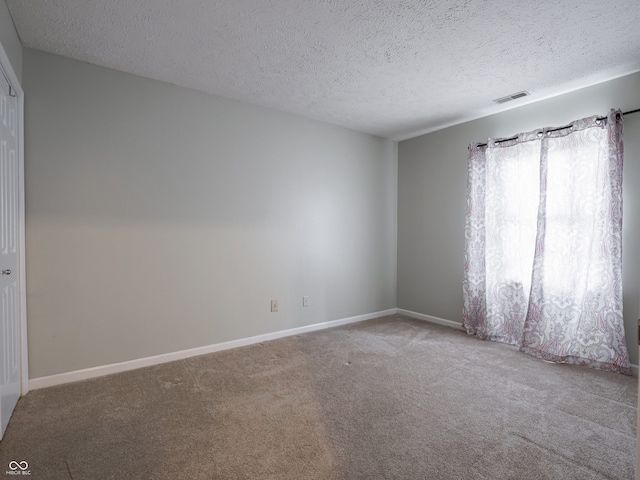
392	398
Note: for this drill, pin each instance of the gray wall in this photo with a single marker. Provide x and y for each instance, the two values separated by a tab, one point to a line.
10	40
432	176
160	218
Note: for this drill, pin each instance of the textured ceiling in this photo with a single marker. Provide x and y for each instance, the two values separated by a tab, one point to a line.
394	68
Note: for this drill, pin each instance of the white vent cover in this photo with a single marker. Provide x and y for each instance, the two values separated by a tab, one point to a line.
513	96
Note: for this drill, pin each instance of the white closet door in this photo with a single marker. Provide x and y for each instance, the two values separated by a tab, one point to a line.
9	277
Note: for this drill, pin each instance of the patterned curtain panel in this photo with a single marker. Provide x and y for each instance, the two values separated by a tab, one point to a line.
543	243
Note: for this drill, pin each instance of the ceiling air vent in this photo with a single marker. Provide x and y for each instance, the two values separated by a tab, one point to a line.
513	96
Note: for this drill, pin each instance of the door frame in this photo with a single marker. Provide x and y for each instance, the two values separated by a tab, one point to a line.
7	69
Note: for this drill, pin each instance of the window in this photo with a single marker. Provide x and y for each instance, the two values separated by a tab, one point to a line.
543	264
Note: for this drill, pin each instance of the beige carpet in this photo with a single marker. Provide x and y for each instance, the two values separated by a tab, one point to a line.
392	398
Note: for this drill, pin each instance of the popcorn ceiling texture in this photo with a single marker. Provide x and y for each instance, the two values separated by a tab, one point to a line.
394	68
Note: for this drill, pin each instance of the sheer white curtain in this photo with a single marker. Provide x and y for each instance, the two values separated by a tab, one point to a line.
543	243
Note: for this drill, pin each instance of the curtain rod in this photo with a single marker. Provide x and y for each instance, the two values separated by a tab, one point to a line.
623	113
554	129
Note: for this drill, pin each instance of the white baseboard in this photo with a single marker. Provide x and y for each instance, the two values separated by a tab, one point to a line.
94	372
86	373
429	318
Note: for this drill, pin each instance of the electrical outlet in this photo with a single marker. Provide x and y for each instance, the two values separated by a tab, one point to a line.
305	301
274	305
